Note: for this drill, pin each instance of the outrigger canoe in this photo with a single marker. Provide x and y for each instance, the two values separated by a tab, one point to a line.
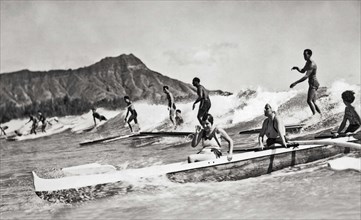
242	165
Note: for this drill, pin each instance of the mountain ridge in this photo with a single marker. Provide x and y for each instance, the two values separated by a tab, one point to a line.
74	91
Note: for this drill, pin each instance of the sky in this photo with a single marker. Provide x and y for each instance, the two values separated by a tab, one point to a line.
229	45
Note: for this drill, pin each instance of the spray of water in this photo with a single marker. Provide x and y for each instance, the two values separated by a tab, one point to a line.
228	111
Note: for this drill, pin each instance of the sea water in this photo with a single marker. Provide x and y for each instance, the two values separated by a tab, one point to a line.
308	191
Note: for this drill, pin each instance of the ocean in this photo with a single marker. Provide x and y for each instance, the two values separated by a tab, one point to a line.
307	191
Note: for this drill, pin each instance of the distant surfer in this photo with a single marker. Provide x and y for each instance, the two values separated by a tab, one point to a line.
42	119
178	118
96	115
210	136
273	128
2	129
34	124
310	68
171	104
350	114
133	113
203	98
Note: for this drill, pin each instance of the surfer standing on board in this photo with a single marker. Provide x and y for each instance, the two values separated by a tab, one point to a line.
171	104
42	118
133	113
2	130
34	125
210	136
178	118
350	114
203	97
273	128
310	68
98	116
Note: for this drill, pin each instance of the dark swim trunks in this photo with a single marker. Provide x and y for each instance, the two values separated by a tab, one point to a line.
133	117
352	128
100	117
96	115
313	82
204	108
271	141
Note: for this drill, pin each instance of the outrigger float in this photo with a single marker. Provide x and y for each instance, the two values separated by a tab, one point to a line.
242	165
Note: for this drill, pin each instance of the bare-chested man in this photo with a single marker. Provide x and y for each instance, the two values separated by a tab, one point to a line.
310	69
171	104
273	128
203	97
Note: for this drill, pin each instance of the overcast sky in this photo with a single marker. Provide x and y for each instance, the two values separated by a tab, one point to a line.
229	45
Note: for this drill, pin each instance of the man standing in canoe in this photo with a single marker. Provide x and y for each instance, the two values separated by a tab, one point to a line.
273	128
171	104
310	68
203	97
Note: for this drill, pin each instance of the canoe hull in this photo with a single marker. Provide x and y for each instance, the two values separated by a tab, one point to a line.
243	165
256	166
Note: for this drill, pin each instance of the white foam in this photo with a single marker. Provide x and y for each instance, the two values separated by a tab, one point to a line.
345	163
227	110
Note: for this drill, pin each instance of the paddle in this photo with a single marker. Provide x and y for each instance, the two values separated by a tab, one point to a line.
163	133
3	129
334	141
97	140
356	135
257	130
275	146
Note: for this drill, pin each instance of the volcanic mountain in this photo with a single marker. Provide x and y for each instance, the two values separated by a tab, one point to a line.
105	83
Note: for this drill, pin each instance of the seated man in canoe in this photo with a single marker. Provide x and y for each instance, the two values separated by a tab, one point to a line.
273	128
350	115
210	136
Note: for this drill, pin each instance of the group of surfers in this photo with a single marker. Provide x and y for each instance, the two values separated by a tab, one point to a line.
35	123
273	128
210	135
175	115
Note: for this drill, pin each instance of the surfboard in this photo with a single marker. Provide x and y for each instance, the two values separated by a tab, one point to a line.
140	134
164	133
275	146
121	137
289	128
329	134
87	142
